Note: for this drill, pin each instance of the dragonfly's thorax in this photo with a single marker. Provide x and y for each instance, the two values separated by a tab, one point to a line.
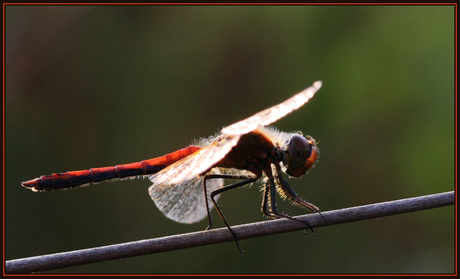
253	152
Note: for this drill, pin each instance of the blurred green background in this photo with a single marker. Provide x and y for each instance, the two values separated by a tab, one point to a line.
92	86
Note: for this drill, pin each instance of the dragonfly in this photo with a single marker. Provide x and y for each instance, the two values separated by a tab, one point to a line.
185	181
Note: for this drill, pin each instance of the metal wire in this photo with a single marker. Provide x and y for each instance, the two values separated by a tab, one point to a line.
182	241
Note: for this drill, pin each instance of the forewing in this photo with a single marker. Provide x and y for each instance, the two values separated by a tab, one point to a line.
195	164
185	202
274	113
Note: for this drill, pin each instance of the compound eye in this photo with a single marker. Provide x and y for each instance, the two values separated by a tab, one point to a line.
301	155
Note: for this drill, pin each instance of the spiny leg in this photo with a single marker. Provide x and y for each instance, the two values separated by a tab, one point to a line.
295	199
248	179
273	212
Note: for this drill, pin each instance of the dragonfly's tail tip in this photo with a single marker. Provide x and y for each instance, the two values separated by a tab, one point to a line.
31	184
28	183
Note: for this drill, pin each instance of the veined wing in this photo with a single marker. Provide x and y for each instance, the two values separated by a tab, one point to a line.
184	202
195	164
274	113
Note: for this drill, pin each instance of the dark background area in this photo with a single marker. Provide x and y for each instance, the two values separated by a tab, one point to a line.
93	86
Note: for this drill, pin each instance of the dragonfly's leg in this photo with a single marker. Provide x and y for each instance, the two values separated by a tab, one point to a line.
268	213
296	200
265	210
273	212
247	180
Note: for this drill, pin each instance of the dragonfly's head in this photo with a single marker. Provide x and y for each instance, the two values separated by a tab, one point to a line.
301	154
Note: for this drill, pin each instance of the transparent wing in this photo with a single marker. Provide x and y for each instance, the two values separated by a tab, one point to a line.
195	164
274	113
184	202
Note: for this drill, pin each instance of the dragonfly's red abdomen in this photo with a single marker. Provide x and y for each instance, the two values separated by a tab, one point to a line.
71	179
